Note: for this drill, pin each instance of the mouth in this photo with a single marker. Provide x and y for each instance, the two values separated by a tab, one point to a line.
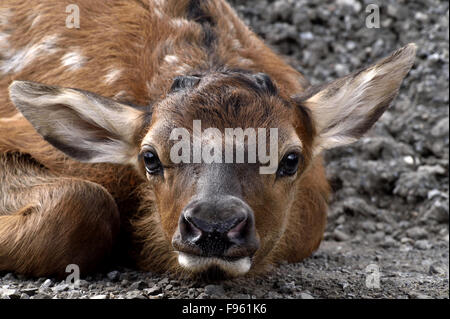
231	266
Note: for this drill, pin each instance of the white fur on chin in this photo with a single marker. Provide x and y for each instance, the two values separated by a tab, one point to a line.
194	263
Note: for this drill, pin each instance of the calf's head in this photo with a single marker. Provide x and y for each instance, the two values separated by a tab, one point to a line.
218	210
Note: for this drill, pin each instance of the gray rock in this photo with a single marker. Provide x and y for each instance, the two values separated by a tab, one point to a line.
354	4
135	294
113	275
340	220
306	36
9	276
417	233
60	287
436	193
378	236
163	282
441	128
423	244
341	69
436	269
389	242
422	17
203	296
287	288
46	284
414	186
156	289
282	32
305	295
9	293
435	169
340	235
280	10
274	295
138	285
392	10
439	211
419	295
369	226
350	45
217	290
73	294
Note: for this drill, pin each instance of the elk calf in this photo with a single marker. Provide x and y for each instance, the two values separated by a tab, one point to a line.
75	166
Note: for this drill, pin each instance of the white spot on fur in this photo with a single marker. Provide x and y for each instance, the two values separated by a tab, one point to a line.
159	3
12	118
237	45
73	60
149	87
5	14
197	263
178	23
4	43
17	61
112	76
184	68
245	62
231	26
120	95
158	13
35	21
171	59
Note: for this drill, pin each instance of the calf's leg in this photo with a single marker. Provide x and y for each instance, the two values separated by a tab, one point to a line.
48	222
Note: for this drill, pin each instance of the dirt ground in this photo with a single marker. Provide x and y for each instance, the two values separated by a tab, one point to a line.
387	235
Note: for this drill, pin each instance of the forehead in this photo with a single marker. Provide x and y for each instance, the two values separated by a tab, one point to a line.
224	101
161	131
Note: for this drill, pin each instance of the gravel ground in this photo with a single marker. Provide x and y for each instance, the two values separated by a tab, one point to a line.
390	209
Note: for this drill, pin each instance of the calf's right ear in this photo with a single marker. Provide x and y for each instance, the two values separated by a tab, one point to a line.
347	108
85	126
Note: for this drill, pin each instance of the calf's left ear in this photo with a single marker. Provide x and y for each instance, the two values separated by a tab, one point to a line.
347	108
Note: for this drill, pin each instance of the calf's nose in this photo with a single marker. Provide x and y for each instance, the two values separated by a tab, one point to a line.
222	227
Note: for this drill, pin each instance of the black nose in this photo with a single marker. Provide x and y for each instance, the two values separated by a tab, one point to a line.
222	227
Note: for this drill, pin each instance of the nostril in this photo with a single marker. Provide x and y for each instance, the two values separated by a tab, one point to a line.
239	231
188	230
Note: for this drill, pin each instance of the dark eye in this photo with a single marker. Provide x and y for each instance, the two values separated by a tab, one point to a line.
152	163
289	164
